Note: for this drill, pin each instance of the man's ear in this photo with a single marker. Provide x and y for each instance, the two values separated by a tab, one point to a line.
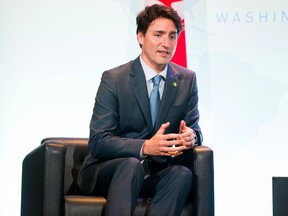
140	38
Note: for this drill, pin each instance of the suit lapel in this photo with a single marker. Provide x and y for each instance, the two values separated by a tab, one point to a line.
138	84
170	91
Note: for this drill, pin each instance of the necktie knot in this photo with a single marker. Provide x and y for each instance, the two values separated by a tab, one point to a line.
156	80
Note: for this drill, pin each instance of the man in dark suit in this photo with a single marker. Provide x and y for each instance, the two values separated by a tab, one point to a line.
134	152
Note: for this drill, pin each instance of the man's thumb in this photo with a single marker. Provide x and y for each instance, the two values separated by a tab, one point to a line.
163	128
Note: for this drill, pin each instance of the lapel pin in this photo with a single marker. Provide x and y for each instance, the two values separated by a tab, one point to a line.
174	84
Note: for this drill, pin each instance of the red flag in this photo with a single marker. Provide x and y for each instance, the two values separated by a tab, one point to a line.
180	56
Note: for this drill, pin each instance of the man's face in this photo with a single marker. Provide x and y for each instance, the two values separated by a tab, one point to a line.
159	43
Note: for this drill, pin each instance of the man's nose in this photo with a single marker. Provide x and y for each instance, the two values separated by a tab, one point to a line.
166	42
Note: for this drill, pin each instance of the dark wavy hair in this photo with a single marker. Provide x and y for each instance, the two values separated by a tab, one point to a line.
150	13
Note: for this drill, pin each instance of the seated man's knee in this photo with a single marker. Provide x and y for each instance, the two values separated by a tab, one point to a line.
183	174
132	165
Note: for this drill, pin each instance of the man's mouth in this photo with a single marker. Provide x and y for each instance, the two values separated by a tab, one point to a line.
165	52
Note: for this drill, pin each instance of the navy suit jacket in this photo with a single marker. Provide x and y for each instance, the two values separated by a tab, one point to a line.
121	119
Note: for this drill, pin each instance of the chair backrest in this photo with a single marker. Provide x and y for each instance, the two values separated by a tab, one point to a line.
76	151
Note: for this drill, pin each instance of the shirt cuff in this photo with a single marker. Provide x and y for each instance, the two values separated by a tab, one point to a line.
141	154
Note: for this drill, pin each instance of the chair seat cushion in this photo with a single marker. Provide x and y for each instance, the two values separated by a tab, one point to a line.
94	205
83	205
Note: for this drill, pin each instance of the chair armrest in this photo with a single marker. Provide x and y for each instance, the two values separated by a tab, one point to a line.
42	180
203	182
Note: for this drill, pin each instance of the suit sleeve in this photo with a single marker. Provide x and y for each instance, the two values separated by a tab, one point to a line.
105	141
192	113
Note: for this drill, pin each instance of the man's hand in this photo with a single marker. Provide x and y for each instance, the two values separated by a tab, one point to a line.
166	144
187	135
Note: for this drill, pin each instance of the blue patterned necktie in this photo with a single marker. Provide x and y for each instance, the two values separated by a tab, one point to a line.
155	98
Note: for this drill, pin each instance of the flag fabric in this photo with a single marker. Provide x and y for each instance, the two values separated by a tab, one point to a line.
180	56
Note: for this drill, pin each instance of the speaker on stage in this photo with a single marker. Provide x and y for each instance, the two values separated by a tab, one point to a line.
280	196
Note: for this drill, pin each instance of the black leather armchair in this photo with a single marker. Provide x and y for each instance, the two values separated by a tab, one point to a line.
49	177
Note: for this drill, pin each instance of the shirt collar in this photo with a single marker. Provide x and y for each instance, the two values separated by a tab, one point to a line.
150	73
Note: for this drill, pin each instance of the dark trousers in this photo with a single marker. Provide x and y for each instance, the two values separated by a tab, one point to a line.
122	181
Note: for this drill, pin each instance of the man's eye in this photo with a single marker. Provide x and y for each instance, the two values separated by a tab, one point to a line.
173	37
157	35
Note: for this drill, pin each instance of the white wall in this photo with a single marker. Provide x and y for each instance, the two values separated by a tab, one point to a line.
53	53
242	69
